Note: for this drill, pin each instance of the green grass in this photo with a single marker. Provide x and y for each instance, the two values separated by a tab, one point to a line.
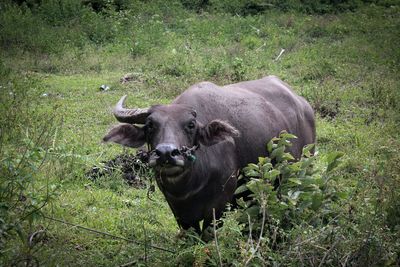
344	64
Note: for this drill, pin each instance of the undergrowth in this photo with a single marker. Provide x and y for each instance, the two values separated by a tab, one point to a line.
297	213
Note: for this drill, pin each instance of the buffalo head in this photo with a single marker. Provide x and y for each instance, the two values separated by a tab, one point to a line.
172	133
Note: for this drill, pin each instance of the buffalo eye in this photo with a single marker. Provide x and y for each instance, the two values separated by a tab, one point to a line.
149	126
191	125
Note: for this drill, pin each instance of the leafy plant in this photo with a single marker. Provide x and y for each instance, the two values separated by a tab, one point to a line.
239	69
284	192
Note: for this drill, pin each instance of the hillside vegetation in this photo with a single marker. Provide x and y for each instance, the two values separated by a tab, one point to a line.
342	56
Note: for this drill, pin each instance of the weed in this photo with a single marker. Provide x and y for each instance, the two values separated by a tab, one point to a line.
239	69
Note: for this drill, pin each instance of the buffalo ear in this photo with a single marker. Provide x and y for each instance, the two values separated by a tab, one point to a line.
126	135
217	131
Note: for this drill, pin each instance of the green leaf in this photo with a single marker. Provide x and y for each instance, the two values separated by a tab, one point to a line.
307	150
251	173
333	160
284	204
295	181
266	167
253	211
241	189
342	195
277	153
252	166
295	167
269	146
286	135
306	162
316	201
241	203
241	176
287	156
285	143
271	175
262	160
257	186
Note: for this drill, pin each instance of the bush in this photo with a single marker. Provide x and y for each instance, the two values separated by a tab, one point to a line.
284	198
20	28
244	7
57	12
240	7
291	192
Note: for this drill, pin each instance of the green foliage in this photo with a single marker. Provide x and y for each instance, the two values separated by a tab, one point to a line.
239	69
20	28
24	152
291	192
253	7
297	213
57	13
240	6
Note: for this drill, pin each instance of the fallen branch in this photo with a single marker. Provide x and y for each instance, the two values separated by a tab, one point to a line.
280	54
327	253
254	251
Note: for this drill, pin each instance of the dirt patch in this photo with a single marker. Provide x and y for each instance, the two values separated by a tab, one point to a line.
329	110
134	169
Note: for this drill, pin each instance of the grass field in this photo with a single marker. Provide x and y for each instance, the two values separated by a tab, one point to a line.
54	116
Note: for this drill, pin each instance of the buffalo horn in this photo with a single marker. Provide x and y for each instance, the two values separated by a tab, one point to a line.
136	115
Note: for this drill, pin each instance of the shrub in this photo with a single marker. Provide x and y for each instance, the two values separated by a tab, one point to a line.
20	28
299	214
243	7
285	200
57	12
287	191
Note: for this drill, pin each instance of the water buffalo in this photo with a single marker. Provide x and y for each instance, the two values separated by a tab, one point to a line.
199	141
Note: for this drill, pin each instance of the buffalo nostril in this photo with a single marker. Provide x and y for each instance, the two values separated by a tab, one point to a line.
166	151
175	153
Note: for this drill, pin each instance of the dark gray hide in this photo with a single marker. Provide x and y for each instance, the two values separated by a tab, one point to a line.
231	124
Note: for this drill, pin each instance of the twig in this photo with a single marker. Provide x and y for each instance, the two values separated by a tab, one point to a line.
216	238
347	258
250	240
274	236
129	264
280	54
327	253
233	175
262	227
261	234
107	234
263	45
30	241
319	247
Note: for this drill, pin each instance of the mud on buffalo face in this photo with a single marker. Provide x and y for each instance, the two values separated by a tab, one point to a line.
172	133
